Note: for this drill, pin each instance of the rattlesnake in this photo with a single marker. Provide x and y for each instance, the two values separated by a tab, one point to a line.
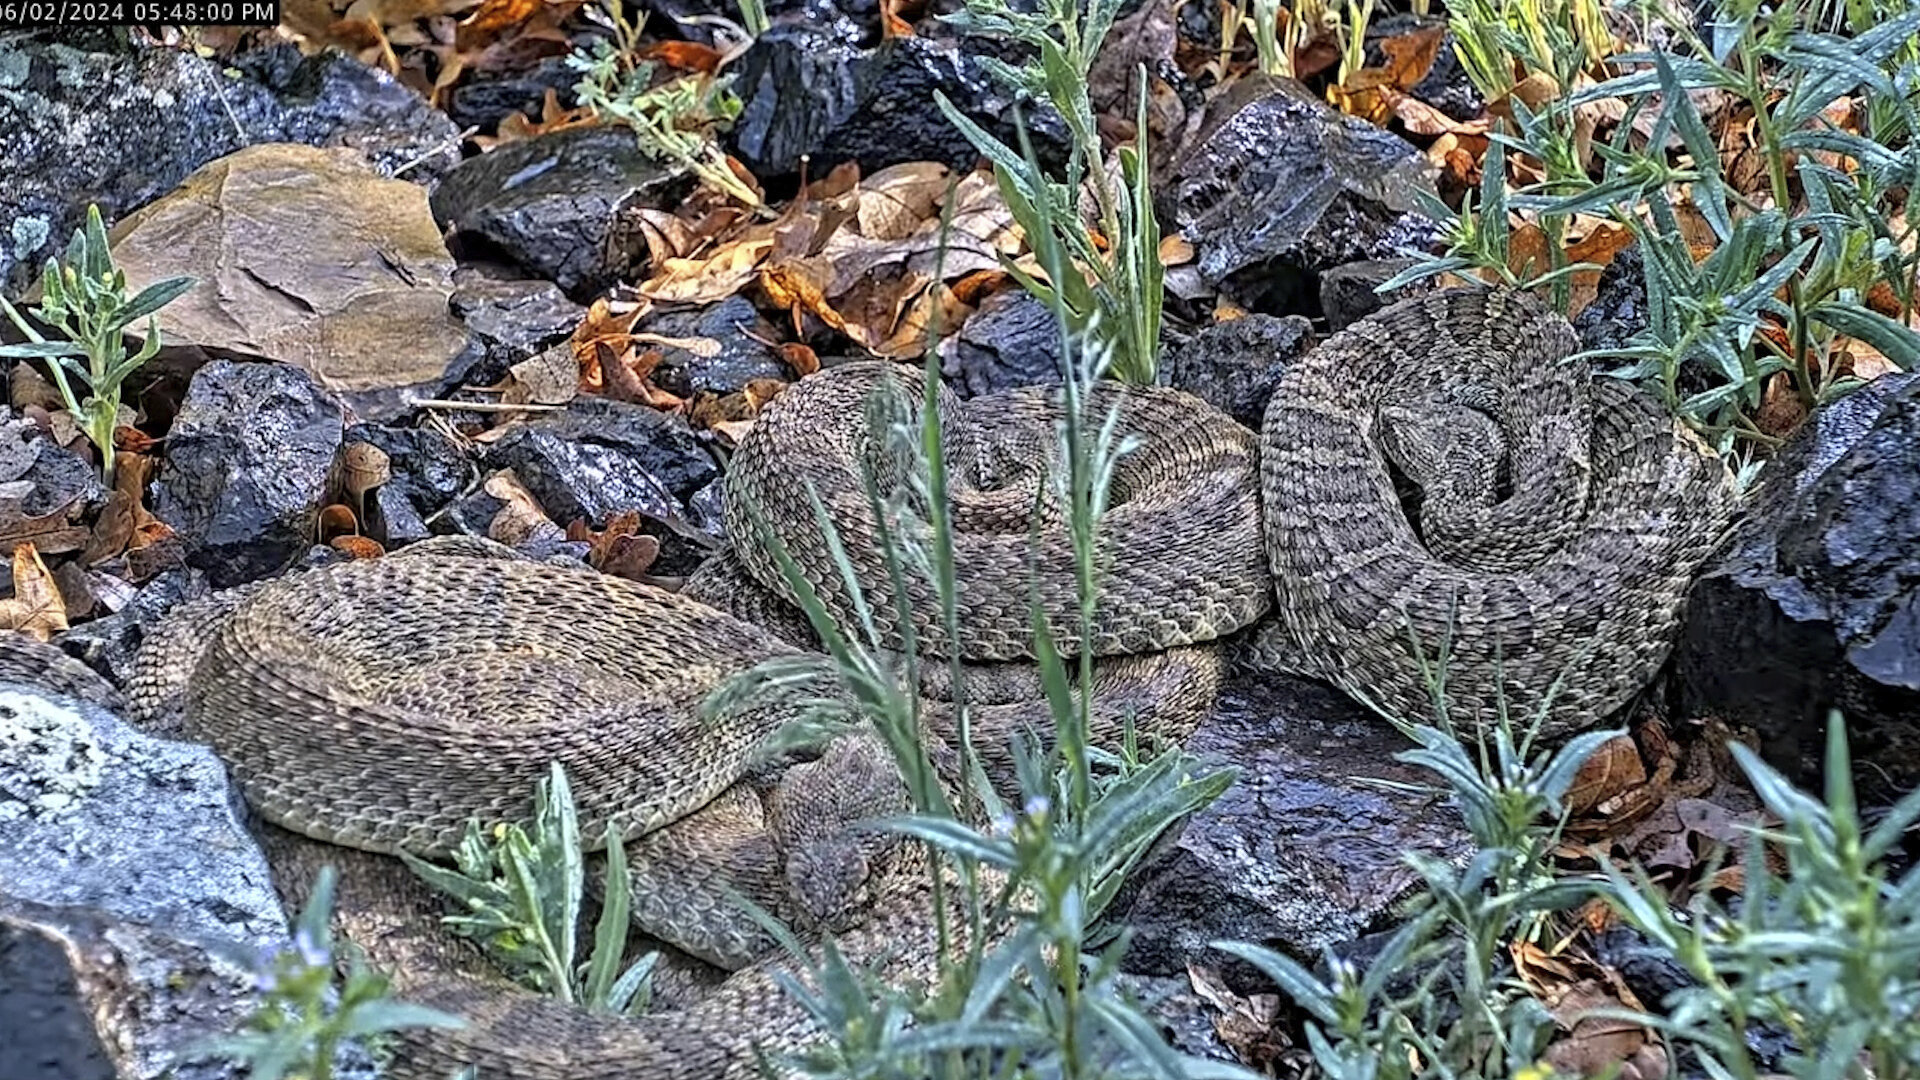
364	704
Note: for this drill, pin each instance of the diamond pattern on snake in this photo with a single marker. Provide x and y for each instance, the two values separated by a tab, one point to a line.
373	707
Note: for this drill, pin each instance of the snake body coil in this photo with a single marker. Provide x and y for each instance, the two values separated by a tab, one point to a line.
380	705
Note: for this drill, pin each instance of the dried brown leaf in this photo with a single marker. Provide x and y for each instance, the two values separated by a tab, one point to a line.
35	608
900	199
708	280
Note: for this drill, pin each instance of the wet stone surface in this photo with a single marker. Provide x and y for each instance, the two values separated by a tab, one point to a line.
809	92
246	468
1234	365
1301	853
549	204
1816	603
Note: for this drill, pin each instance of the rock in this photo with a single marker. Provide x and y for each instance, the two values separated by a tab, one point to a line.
91	118
1618	310
429	472
307	257
600	458
1012	340
109	644
739	332
512	318
706	509
488	97
132	913
856	22
1815	603
1347	292
549	205
48	493
807	92
1234	365
1184	1016
1276	186
247	462
1299	854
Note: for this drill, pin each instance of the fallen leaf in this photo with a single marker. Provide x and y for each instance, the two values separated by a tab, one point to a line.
337	520
899	199
1613	768
35	608
549	377
705	281
685	56
1595	1045
521	521
1251	1026
801	358
358	547
1411	55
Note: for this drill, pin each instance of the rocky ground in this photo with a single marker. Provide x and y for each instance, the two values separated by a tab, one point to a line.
557	341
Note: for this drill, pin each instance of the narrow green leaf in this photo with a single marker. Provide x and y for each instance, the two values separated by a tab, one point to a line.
1895	341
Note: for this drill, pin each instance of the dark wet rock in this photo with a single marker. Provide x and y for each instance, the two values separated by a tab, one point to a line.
1234	365
1012	340
806	91
549	205
127	875
90	118
706	509
1276	187
1445	85
246	468
1347	292
739	331
1816	602
1183	1015
109	644
1300	853
600	458
1618	310
429	472
513	318
489	97
39	477
856	22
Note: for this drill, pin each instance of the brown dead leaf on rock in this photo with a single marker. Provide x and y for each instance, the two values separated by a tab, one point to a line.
1613	768
357	547
35	608
898	200
1594	1045
704	281
521	521
1251	1026
801	358
620	549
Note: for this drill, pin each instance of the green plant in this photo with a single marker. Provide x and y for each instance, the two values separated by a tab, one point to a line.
1792	266
1021	991
1827	951
303	1018
84	298
1120	248
675	121
523	892
1440	999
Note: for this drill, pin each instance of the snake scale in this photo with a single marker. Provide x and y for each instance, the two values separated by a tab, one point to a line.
372	707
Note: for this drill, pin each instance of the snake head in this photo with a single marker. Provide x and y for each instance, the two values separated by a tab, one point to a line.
828	880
